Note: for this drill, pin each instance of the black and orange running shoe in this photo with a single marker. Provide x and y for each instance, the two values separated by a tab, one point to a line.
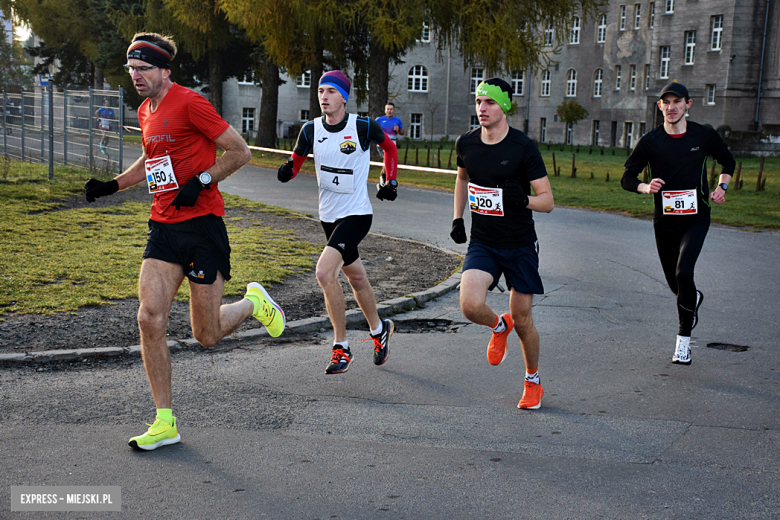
340	360
382	342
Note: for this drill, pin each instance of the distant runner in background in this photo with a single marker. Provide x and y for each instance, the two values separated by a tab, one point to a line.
105	115
392	126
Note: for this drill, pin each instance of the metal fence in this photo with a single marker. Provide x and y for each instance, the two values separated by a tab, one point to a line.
73	127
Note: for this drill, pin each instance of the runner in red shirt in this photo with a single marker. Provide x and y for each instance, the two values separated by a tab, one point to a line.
187	236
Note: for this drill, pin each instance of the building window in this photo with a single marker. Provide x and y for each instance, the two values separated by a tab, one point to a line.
574	35
710	94
549	34
248	121
595	132
425	36
415	126
518	82
716	40
545	85
477	76
618	74
543	130
304	116
598	82
690	46
651	18
632	77
601	30
637	15
362	113
629	133
568	133
571	83
642	128
474	122
417	81
647	77
304	80
247	79
622	18
665	54
669	6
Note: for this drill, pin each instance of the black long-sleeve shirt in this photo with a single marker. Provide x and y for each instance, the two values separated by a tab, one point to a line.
681	162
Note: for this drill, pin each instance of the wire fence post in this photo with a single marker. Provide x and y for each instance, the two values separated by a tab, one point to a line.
121	127
65	126
23	114
90	125
43	120
5	125
51	131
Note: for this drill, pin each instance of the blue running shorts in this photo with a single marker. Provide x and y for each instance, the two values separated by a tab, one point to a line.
520	266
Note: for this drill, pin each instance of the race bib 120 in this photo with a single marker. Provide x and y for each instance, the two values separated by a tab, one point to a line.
486	201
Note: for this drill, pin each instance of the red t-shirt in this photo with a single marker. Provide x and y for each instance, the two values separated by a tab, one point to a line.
184	126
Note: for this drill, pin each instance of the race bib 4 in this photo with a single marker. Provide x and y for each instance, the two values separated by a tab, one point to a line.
339	180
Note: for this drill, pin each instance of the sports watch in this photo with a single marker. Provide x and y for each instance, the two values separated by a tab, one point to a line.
393	183
204	178
723	186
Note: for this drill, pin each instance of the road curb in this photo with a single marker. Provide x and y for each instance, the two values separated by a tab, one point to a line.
316	324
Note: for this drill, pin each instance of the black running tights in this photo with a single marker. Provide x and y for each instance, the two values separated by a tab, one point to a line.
678	251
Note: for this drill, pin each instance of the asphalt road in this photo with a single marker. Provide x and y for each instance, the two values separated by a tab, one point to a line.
435	432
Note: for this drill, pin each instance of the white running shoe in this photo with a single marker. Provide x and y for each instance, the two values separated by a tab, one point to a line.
682	354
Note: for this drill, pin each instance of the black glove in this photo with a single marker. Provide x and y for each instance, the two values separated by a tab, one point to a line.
188	194
514	195
458	232
387	191
285	172
96	188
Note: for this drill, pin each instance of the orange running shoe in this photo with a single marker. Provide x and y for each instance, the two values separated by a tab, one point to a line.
532	396
496	351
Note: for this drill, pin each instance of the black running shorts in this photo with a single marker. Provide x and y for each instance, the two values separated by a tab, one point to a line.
346	233
200	245
519	265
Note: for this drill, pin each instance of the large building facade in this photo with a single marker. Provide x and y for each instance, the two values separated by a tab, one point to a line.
727	52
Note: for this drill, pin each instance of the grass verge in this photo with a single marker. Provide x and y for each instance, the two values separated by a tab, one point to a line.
57	259
597	184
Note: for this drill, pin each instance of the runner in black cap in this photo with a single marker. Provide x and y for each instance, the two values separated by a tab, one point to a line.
676	153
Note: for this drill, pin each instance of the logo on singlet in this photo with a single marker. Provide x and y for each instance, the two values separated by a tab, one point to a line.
321	140
348	147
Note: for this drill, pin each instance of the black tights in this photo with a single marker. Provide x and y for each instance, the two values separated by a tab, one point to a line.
678	251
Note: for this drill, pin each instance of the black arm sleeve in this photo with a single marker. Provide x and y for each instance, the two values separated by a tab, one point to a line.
634	165
305	139
721	153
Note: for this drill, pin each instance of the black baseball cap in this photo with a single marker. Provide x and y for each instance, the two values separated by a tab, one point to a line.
674	88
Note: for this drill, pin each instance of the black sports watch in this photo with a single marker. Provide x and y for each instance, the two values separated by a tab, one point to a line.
723	186
393	183
204	178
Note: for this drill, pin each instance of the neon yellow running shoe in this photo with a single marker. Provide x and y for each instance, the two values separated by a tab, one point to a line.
267	311
159	434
